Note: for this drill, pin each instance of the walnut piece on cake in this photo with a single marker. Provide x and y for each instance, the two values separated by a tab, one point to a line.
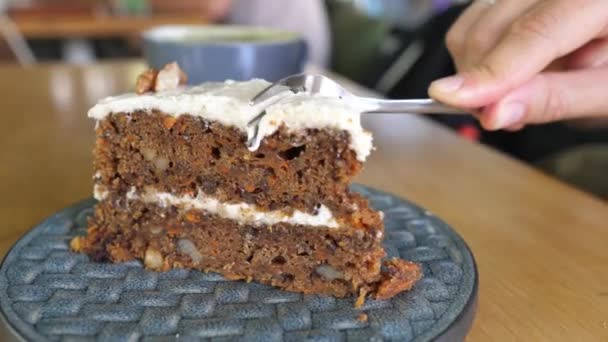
168	78
145	81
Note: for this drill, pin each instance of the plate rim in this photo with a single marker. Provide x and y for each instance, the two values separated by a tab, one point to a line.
445	330
24	239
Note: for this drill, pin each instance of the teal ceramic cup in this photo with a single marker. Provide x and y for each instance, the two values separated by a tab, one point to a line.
217	53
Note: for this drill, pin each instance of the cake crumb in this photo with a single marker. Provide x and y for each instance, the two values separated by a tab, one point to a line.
174	230
398	276
169	121
153	259
192	216
361	299
362	317
232	276
77	244
118	252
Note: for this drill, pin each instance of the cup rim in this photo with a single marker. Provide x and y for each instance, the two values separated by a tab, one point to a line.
170	34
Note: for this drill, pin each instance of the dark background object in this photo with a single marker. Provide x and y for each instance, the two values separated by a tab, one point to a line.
243	54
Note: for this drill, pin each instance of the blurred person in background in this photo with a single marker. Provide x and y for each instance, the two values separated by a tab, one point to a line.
308	18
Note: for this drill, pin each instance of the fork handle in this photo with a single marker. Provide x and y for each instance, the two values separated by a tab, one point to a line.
414	106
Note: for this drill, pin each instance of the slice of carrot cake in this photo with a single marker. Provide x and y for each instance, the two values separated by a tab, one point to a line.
178	187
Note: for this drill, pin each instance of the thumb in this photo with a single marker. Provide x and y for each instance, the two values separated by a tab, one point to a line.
536	39
550	97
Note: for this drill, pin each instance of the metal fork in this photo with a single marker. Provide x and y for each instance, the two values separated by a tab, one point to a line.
325	86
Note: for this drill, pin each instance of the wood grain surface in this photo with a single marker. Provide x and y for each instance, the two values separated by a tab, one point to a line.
99	26
541	246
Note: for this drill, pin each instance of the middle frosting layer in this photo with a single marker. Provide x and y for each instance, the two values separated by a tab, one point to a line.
241	212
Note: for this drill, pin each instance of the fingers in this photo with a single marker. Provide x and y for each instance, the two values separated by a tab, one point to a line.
541	35
456	36
515	128
550	97
489	28
592	55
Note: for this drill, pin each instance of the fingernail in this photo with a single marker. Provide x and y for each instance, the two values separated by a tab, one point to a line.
510	114
448	84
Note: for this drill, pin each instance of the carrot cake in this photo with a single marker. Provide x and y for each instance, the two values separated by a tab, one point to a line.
178	186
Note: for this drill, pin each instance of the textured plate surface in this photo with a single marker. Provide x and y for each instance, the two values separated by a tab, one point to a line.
49	293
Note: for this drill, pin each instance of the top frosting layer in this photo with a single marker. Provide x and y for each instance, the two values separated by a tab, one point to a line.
228	103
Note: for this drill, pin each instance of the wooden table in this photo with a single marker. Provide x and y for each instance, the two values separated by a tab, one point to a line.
541	246
98	26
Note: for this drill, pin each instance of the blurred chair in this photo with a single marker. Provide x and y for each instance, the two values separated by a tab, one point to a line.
15	40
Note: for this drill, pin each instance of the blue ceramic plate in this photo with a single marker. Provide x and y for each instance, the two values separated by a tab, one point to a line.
48	293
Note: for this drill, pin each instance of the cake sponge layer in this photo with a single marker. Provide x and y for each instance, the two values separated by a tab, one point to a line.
188	154
298	258
229	104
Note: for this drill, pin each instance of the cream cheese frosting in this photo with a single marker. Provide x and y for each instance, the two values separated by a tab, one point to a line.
228	103
241	212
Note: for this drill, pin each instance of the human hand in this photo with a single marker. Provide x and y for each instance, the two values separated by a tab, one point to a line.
529	61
